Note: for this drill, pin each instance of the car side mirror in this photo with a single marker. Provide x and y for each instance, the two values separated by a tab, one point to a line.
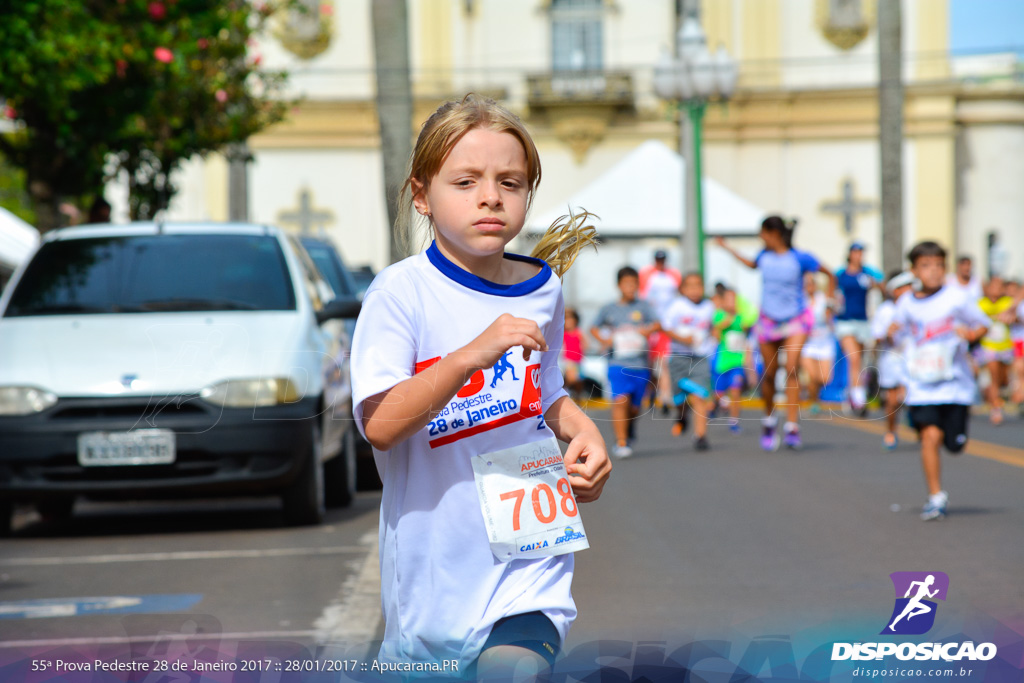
339	308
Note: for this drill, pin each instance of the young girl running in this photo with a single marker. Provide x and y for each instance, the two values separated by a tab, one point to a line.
785	320
819	352
457	387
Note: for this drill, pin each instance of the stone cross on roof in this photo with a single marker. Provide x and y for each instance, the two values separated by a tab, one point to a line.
848	207
306	217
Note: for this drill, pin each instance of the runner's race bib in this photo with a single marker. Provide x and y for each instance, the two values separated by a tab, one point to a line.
735	341
627	342
527	502
933	361
998	333
696	335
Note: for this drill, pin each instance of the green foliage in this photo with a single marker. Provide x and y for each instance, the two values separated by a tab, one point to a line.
139	86
13	196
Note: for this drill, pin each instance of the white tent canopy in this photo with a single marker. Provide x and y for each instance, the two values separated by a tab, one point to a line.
17	240
642	196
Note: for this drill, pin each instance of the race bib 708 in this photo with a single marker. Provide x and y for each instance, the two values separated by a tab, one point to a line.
527	502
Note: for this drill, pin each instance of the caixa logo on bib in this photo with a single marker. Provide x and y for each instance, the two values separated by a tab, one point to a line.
913	614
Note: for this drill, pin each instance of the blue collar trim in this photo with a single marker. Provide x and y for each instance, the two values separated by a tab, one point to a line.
467	279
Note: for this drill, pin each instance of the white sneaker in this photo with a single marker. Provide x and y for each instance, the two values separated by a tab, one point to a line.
935	508
622	451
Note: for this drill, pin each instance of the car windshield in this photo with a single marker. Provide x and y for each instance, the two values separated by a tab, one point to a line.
324	258
363	277
155	273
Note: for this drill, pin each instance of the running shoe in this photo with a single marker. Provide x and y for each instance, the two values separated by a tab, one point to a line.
677	428
622	452
935	508
792	439
701	444
769	439
735	427
890	441
995	416
815	409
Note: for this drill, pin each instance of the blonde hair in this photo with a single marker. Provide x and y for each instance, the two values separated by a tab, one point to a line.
563	240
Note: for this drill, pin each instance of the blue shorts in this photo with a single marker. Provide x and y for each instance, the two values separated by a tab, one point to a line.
533	631
632	382
729	379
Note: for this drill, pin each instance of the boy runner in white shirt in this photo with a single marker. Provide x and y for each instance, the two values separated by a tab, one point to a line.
687	322
938	322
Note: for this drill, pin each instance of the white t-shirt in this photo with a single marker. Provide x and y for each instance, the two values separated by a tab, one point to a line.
1017	328
972	288
891	361
929	325
691	320
881	321
442	589
662	288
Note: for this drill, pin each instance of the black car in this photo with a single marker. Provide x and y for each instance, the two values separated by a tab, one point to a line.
347	283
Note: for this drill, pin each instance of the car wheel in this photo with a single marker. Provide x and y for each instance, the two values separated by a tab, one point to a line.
340	473
56	509
303	500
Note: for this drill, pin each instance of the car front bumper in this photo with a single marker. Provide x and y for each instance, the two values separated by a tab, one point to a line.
218	451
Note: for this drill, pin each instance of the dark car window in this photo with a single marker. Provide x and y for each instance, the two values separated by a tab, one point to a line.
155	273
330	266
363	277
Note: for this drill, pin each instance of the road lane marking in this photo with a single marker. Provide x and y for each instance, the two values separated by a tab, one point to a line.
162	637
975	447
115	604
180	555
355	615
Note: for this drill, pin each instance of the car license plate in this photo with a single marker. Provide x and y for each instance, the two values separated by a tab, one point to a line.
139	447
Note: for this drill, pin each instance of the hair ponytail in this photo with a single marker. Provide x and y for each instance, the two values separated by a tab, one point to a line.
563	241
790	229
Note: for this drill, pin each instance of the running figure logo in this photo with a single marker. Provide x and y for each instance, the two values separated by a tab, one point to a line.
914	613
500	367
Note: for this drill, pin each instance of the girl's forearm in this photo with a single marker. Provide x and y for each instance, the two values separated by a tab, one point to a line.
566	419
391	417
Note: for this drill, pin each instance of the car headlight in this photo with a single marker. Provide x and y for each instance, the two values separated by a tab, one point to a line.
25	400
251	393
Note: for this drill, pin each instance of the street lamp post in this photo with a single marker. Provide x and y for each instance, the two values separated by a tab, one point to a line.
689	79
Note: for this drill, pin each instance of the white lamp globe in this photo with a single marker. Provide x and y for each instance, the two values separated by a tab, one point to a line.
691	38
702	68
726	72
665	76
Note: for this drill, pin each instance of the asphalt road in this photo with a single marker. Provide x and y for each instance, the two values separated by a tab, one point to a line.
730	543
744	545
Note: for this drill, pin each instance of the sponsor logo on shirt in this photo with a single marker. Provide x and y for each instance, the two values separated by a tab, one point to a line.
933	329
474	410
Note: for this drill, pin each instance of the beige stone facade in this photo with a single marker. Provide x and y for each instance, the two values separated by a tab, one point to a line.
800	131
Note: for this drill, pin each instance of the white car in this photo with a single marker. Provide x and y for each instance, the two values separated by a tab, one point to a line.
159	360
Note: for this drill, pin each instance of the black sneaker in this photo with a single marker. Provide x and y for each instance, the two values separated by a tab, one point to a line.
701	444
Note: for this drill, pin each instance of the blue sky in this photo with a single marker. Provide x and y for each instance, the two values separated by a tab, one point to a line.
986	26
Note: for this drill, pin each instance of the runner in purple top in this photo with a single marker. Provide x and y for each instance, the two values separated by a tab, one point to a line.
785	321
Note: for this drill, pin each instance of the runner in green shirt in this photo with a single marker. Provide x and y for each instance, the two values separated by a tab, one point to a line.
730	328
